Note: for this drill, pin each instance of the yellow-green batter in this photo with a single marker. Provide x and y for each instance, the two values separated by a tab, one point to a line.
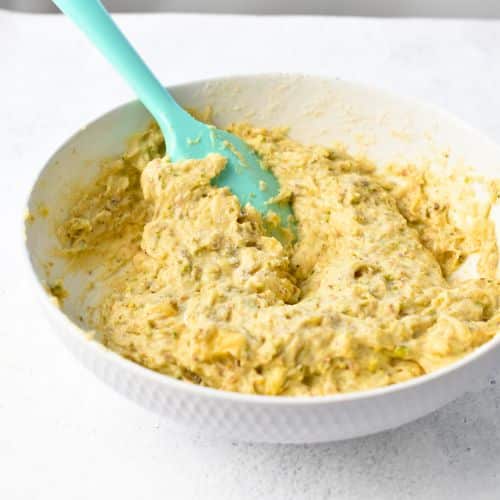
198	291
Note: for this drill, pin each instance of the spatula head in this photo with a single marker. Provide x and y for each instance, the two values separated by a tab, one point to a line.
245	174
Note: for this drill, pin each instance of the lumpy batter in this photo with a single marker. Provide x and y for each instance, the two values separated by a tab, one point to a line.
197	290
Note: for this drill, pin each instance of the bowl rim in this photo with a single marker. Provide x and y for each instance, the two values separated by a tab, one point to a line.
81	336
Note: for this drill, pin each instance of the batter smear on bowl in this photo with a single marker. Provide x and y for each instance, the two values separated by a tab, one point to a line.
196	288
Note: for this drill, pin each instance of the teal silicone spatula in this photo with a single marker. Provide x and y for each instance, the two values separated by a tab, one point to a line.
185	136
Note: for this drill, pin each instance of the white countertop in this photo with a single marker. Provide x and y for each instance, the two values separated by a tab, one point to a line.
63	434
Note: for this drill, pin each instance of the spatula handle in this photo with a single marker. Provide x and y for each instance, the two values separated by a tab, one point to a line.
93	19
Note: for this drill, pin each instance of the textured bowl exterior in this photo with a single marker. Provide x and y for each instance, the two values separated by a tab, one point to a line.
261	418
270	419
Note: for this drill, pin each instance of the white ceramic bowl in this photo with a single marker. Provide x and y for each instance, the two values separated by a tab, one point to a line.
384	128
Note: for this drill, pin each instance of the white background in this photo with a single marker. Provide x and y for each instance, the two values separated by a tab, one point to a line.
64	435
446	8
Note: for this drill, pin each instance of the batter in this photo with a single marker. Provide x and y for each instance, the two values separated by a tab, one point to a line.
198	290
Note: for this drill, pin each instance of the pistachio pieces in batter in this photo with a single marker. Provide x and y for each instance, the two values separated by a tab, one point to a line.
199	291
